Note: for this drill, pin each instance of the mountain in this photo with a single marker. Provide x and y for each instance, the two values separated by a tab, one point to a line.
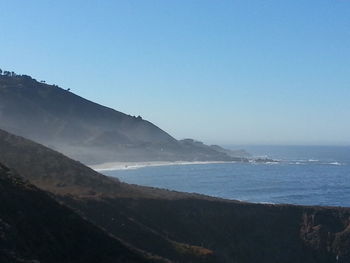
232	153
183	227
36	228
86	131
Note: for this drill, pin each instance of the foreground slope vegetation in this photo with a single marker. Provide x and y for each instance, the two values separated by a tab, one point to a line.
36	228
184	227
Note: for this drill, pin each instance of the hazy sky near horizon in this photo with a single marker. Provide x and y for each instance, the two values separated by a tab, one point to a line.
228	71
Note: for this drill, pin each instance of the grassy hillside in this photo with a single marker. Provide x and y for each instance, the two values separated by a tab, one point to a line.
87	131
185	227
35	228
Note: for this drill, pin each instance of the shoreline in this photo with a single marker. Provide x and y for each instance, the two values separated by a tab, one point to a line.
114	166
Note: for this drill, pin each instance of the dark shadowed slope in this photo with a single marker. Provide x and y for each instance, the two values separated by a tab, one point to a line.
70	180
87	131
187	227
54	172
33	226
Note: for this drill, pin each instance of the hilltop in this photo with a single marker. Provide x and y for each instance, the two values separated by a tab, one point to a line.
87	131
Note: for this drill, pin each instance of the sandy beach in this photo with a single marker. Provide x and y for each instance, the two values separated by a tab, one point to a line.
136	165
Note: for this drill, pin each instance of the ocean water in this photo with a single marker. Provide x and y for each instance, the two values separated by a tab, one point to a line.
306	175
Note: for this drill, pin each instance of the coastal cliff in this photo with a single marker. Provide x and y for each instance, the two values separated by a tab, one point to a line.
184	227
89	132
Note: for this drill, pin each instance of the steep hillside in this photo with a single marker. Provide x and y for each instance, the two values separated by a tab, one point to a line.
35	228
187	227
58	174
87	131
73	182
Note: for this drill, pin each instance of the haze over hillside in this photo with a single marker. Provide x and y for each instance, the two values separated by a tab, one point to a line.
177	226
89	132
118	106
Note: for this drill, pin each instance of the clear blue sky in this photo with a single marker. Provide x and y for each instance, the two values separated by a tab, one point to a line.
235	71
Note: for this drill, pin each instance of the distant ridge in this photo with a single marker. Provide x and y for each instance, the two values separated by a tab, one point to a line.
87	131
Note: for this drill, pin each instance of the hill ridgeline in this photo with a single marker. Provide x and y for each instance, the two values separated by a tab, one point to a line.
89	132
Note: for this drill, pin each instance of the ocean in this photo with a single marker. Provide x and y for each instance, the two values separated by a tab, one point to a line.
304	175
